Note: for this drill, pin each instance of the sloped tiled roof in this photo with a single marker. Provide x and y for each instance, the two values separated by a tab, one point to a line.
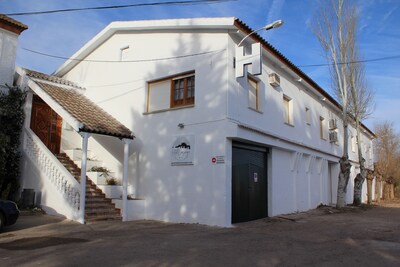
267	46
92	117
11	24
39	75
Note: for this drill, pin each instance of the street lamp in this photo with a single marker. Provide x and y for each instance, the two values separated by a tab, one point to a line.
273	25
253	60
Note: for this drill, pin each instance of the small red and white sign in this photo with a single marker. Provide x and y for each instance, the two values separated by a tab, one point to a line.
218	160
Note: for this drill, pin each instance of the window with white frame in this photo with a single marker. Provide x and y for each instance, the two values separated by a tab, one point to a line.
308	115
287	110
124	53
171	92
353	143
322	127
370	149
254	93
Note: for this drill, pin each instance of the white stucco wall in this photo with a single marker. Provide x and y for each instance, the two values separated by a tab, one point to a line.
47	195
202	192
8	49
194	193
312	187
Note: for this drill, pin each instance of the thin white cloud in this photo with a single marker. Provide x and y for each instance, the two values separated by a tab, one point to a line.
275	10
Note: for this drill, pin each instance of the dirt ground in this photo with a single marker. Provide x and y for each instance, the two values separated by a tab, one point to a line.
367	236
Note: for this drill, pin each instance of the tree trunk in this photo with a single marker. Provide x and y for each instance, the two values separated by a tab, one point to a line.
391	191
360	178
370	179
344	177
358	181
378	189
386	191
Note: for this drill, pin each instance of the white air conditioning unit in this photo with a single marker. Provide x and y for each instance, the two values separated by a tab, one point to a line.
332	124
333	137
274	79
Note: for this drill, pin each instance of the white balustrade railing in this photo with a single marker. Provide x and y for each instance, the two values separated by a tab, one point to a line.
54	171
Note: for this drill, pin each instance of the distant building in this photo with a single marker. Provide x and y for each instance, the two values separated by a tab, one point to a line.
10	29
209	147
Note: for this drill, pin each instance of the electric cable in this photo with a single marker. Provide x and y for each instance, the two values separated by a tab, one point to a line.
204	53
350	62
170	3
122	61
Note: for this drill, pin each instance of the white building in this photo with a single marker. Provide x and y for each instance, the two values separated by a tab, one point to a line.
10	29
209	148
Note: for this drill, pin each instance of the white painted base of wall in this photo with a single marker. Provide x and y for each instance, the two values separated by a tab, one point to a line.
111	191
89	163
97	177
48	196
136	208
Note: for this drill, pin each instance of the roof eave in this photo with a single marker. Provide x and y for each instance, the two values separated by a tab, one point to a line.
142	25
120	136
268	47
75	124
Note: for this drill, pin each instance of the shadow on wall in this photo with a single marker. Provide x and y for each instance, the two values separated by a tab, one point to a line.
182	193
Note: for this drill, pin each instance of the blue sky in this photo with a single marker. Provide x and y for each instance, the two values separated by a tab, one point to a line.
62	34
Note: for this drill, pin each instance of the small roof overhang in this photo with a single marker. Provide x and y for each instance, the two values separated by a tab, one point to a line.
76	109
11	25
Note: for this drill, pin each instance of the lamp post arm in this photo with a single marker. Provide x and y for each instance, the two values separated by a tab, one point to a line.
275	24
253	32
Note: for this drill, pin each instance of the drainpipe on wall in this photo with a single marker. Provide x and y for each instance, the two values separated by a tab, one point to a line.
127	142
85	138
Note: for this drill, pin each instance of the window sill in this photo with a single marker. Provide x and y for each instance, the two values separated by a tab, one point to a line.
289	124
253	109
167	109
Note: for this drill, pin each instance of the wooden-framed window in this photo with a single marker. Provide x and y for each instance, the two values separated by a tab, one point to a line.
254	93
287	110
182	91
171	92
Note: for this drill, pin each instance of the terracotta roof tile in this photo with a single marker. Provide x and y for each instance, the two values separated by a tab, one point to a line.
39	75
267	46
12	24
93	118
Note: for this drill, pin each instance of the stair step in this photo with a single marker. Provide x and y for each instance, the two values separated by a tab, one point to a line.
92	196
93	189
98	207
97	212
91	219
90	200
100	211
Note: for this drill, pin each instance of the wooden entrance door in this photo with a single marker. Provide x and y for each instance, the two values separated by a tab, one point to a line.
46	124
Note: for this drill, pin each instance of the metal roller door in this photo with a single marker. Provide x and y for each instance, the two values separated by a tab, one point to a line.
249	183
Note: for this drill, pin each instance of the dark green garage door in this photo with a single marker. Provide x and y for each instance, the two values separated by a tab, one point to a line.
249	184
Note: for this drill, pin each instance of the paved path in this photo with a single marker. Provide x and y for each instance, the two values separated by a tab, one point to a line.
322	237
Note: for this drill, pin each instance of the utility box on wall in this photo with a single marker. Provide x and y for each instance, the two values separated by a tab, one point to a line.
28	198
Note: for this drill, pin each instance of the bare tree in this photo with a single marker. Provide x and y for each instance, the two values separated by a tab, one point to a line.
360	104
334	28
387	153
